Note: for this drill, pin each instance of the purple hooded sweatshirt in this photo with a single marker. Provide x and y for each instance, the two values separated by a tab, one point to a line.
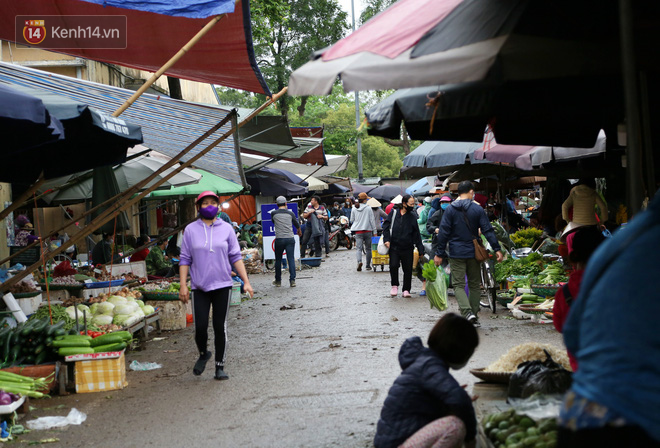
210	251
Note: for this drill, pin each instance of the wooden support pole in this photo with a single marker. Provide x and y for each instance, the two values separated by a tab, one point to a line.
168	65
128	199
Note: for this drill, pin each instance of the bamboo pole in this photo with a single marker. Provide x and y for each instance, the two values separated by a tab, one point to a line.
120	205
168	65
23	198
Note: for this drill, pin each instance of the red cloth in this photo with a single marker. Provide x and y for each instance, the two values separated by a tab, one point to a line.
223	56
389	207
140	255
561	308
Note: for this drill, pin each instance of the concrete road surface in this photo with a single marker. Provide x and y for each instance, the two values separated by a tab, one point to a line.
309	367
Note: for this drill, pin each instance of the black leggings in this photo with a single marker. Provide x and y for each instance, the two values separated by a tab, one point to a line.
202	302
403	257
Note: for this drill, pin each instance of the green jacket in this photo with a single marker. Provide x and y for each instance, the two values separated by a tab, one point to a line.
421	222
156	261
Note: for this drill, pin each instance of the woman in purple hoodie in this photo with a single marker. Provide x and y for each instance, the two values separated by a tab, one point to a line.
209	251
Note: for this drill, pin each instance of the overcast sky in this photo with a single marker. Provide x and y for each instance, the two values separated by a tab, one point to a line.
346	6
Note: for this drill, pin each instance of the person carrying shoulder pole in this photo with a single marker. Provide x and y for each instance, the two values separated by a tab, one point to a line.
284	220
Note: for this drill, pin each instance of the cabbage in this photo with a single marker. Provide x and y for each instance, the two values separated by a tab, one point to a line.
71	311
94	308
82	307
140	303
130	299
148	309
128	308
139	312
106	308
102	319
117	300
125	320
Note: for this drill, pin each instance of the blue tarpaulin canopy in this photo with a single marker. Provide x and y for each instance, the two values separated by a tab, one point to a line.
192	9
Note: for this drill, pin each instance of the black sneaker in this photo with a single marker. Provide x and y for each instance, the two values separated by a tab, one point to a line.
473	320
359	266
220	374
292	283
200	365
368	268
484	304
276	283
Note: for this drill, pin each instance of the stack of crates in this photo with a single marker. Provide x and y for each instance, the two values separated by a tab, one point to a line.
377	258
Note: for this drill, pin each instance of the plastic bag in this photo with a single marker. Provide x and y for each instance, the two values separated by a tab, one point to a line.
545	377
135	365
538	406
436	291
75	417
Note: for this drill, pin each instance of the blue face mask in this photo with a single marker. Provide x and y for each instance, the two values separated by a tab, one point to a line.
444	205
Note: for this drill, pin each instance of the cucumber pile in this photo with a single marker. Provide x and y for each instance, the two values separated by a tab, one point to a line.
29	342
531	299
511	430
80	344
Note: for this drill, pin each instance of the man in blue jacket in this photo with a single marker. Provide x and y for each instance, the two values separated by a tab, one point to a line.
460	225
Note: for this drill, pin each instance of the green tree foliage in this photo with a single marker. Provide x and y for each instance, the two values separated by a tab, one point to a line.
287	32
373	7
378	158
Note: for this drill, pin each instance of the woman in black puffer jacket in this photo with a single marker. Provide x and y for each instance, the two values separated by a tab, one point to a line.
426	406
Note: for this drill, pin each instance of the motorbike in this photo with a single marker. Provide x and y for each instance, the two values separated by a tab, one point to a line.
340	233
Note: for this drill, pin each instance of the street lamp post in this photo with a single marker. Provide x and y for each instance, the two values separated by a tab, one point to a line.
357	112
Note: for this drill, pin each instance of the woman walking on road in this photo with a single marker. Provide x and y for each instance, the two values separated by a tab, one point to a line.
209	250
401	236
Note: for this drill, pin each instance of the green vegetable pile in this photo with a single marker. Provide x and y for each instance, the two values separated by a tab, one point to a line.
174	287
511	430
59	315
552	274
526	237
30	342
529	265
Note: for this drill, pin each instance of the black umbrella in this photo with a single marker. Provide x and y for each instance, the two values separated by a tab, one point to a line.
105	187
386	192
92	139
567	112
273	187
25	122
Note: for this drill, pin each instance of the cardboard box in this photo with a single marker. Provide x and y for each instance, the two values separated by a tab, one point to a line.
100	375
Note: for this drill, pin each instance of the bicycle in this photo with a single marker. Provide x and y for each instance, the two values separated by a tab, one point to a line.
488	283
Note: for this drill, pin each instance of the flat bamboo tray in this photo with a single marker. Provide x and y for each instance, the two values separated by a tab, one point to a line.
492	377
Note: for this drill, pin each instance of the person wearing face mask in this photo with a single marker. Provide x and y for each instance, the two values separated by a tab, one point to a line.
210	252
433	224
426	406
347	208
460	225
401	236
157	263
102	252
